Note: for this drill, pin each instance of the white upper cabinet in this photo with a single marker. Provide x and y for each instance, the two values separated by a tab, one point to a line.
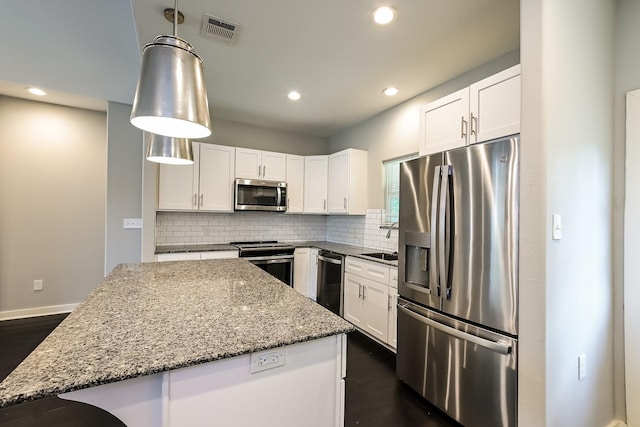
216	178
256	164
207	185
494	105
295	183
316	170
444	124
486	110
347	191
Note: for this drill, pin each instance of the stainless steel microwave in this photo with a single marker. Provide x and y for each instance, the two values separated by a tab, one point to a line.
259	195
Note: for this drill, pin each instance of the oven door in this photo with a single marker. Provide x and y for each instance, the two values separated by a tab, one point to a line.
279	266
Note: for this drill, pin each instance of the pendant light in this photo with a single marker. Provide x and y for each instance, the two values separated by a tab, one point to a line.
171	97
168	150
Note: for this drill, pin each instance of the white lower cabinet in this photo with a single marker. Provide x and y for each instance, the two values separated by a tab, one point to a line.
195	256
313	273
369	300
301	266
392	339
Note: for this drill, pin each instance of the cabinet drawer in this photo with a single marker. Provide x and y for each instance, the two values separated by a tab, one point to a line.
218	254
178	256
369	270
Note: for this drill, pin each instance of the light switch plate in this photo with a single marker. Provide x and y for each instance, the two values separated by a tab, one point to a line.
556	226
132	223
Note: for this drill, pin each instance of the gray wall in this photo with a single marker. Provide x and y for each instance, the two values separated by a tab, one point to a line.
566	285
394	133
226	132
52	196
627	63
124	187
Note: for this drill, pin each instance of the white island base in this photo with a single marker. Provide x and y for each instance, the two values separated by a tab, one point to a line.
308	390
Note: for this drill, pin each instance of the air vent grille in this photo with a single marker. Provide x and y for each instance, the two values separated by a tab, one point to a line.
217	28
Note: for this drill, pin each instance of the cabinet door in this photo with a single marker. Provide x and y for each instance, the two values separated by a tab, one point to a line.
444	124
376	303
353	302
338	182
274	166
392	310
295	183
494	106
315	184
248	163
178	186
216	177
301	264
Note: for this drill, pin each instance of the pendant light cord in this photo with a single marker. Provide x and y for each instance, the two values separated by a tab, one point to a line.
175	18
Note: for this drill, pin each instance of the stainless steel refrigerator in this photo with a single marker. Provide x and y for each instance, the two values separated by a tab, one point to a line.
458	281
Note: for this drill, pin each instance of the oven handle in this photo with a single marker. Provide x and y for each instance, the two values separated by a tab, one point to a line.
277	259
329	260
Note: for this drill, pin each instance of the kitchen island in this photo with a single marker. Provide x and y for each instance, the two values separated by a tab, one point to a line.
187	343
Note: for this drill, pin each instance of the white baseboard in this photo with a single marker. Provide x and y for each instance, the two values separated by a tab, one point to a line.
36	311
617	423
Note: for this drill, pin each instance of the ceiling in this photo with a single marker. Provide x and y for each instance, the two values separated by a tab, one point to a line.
328	50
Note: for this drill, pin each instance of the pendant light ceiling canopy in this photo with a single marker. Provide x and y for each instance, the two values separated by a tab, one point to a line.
171	97
168	150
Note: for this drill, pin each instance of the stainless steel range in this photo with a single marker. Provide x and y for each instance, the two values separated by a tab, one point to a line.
273	257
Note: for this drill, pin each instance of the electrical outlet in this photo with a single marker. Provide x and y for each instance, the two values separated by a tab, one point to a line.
556	225
267	360
37	285
582	366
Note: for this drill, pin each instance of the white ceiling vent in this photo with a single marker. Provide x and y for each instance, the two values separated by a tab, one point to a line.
217	28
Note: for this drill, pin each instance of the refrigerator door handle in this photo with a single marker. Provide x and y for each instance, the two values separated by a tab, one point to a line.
496	346
433	258
443	250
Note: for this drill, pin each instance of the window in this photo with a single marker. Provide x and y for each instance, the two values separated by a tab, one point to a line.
392	187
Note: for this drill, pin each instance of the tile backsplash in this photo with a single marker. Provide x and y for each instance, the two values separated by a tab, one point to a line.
184	228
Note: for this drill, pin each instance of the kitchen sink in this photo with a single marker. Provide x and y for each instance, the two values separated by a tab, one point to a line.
383	255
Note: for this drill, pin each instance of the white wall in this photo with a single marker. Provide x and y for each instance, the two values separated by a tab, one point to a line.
627	62
52	195
394	133
570	93
124	187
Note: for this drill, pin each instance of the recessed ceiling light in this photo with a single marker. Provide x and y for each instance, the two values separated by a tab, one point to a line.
384	15
390	91
293	95
36	91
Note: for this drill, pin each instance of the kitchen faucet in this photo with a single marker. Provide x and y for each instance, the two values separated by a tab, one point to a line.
391	228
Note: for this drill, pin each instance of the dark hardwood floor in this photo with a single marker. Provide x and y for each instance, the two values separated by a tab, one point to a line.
374	396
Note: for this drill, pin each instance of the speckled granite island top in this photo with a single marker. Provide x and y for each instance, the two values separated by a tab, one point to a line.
153	317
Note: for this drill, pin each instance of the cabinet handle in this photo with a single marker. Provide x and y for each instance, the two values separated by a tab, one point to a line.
324	204
359	291
388	302
195	199
364	295
201	199
264	171
474	129
259	169
463	127
345	203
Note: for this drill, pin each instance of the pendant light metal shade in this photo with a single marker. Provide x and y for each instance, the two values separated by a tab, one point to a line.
168	150
171	97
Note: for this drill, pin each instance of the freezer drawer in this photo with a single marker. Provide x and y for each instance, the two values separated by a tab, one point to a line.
468	372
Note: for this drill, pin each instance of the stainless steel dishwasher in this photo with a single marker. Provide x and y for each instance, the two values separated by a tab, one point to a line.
330	284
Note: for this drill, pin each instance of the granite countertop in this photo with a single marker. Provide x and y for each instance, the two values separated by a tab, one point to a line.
154	317
343	249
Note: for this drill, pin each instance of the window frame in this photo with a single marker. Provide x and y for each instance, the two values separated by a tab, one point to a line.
392	187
